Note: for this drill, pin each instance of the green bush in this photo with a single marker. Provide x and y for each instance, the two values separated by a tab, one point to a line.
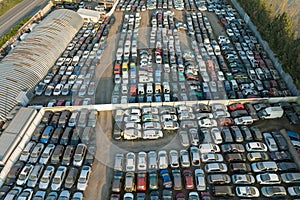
13	31
278	31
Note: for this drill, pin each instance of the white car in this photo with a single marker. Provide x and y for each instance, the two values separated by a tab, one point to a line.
265	166
151	125
152	134
83	178
216	135
152	160
270	142
130	162
209	148
173	159
58	178
79	154
162	159
195	156
211	157
184	138
184	158
247	191
132	125
142	161
24	174
268	179
47	154
194	136
57	90
170	125
46	177
206	122
132	134
200	180
132	118
168	117
133	111
128	196
256	146
26	151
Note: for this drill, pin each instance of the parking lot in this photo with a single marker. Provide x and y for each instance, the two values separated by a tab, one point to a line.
173	141
197	51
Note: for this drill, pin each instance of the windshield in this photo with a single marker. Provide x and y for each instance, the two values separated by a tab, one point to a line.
44	179
56	180
32	177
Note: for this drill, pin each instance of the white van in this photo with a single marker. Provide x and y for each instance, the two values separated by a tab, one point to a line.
149	89
244	120
271	113
124	89
141	89
166	87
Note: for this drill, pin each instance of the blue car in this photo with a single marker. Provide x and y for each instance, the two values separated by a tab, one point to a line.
167	182
47	134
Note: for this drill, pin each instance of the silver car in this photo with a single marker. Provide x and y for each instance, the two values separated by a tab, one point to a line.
46	177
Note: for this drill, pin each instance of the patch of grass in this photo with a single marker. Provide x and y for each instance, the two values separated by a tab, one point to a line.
6	5
12	31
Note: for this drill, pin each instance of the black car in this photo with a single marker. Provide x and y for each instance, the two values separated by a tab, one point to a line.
246	133
287	166
14	173
4	190
281	142
292	117
238	113
154	195
280	155
226	135
256	133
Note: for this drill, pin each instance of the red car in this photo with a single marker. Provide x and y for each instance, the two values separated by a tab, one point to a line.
224	21
180	196
188	179
117	68
61	102
225	121
236	106
141	181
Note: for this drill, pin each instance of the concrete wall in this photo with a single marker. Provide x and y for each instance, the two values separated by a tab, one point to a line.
285	76
21	142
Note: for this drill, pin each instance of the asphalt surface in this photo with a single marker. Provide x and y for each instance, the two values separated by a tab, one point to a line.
16	14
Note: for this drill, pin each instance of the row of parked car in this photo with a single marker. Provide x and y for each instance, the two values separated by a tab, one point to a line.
73	72
150	122
206	169
56	162
242	50
126	57
142	5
